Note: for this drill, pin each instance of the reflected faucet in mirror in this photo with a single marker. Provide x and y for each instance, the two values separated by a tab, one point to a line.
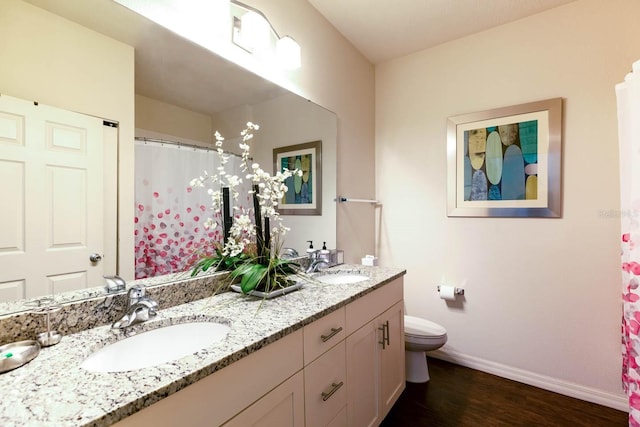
114	284
288	253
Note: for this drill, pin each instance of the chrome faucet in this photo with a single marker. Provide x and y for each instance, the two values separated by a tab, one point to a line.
114	284
139	308
288	253
317	265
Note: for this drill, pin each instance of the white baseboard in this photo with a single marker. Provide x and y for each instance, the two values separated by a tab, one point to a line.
611	400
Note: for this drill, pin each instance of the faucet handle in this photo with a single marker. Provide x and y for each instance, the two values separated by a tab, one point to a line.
135	293
153	307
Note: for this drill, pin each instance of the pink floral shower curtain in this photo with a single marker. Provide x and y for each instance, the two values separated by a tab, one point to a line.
628	96
169	215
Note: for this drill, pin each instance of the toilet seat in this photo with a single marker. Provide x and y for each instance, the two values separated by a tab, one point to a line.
416	327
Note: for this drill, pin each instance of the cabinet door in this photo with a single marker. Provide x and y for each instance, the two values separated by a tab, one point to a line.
340	420
363	370
392	373
282	407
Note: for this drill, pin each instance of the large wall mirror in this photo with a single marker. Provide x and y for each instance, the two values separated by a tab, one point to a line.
184	93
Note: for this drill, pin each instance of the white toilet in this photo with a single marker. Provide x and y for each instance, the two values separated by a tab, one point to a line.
420	335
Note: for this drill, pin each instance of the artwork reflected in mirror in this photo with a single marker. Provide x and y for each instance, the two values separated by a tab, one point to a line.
304	193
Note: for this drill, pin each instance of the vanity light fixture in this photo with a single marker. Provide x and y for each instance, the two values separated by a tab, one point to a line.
197	20
288	52
204	21
255	32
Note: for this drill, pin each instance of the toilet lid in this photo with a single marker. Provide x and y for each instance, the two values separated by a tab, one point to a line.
421	327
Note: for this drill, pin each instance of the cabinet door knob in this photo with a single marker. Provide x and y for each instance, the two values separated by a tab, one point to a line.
334	387
333	333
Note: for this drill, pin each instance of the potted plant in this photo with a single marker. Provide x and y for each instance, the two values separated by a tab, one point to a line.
253	239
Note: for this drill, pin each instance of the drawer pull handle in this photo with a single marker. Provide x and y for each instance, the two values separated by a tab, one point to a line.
333	333
334	387
386	325
384	336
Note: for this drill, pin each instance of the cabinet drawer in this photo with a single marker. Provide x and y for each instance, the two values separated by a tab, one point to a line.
363	310
323	334
325	387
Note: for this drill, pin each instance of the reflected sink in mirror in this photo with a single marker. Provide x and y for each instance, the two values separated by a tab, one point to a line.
155	347
342	278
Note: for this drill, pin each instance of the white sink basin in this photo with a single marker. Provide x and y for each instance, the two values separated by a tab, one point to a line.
342	278
155	347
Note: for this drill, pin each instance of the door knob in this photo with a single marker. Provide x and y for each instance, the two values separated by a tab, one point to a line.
95	258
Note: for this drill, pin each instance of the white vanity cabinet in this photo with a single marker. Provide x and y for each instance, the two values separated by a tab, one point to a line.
375	354
344	369
360	360
364	370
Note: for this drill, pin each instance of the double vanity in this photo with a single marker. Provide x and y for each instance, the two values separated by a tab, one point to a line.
331	353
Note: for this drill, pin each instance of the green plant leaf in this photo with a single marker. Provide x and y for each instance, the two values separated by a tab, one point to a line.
204	264
254	275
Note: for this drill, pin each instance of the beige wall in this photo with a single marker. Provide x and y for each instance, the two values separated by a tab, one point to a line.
58	63
542	300
172	120
338	77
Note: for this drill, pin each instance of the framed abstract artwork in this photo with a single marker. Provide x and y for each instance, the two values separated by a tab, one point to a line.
304	194
506	162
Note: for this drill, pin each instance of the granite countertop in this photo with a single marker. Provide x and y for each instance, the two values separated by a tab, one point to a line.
53	390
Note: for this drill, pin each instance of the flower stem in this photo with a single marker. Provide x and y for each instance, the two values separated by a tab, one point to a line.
267	235
258	219
227	222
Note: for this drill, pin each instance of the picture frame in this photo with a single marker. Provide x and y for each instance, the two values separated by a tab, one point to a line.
304	196
506	162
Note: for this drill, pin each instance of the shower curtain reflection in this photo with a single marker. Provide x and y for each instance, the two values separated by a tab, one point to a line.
169	232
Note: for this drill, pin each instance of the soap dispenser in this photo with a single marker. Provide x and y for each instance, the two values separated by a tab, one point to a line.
311	253
325	254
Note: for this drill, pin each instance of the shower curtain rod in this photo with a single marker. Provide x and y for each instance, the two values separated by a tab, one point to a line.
182	144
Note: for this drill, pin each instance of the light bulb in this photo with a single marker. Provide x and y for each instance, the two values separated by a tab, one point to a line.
288	51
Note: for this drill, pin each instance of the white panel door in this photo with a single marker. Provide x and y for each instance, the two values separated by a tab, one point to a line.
51	189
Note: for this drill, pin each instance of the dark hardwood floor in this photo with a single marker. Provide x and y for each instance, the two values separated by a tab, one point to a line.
458	396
